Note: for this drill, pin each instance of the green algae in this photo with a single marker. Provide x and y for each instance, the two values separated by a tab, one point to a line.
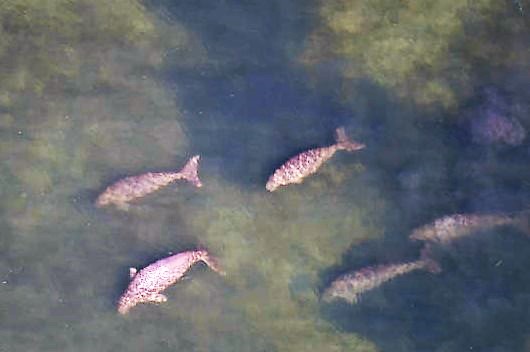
83	95
53	33
89	107
425	51
82	102
274	245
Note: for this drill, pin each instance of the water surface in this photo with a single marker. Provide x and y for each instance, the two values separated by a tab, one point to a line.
93	91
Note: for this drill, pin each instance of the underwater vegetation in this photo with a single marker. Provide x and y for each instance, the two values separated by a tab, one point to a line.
73	123
429	52
40	41
273	246
81	103
94	91
83	93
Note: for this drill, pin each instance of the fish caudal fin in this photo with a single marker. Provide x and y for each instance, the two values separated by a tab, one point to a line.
213	263
190	171
343	142
429	263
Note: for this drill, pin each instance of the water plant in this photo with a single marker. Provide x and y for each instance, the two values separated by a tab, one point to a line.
429	52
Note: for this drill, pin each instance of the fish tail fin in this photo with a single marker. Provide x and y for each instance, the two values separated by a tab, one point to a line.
190	171
522	222
212	262
344	142
429	263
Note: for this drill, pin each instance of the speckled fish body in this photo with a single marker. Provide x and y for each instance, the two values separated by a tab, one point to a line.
133	187
451	227
304	164
351	285
147	284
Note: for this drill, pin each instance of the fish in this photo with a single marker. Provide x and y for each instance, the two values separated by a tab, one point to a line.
133	187
451	227
147	284
306	163
350	286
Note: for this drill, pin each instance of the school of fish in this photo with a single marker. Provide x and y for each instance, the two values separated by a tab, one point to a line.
146	286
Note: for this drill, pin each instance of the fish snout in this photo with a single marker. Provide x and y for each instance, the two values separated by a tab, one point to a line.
416	236
123	309
102	200
125	304
327	296
271	186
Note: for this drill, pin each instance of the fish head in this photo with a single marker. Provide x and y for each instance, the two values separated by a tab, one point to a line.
201	253
196	182
103	200
271	186
328	295
125	304
337	290
422	234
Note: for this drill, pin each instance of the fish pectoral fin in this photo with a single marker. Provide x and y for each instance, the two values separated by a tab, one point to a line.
132	272
353	299
158	298
122	206
298	181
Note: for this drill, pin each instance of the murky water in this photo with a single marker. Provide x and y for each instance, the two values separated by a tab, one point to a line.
92	91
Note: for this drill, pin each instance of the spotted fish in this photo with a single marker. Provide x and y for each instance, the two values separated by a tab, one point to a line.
133	187
351	285
451	227
304	164
147	284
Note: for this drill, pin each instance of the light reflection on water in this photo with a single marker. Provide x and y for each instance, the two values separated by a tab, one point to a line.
239	98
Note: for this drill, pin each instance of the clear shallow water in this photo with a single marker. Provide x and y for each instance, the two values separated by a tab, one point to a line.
145	88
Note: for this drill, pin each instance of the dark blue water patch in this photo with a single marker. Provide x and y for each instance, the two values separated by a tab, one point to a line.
251	101
244	34
269	118
265	95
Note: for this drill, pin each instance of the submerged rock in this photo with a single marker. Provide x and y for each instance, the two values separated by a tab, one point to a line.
492	122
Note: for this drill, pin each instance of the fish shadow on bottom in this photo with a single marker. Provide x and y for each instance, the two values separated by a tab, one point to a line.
480	300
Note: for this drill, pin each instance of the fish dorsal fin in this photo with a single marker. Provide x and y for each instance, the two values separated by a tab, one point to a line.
132	272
